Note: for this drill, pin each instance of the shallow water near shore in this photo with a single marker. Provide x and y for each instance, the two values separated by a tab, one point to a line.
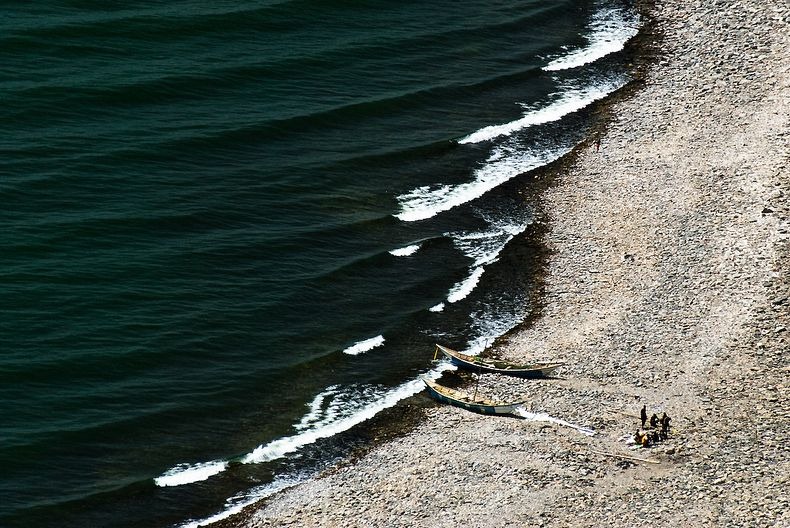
233	233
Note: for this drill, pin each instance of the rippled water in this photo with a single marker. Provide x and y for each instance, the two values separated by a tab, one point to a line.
232	231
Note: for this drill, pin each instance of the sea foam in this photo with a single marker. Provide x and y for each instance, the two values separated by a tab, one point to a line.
237	503
503	164
484	247
320	424
365	346
331	412
353	412
405	251
566	102
189	473
317	409
462	289
609	31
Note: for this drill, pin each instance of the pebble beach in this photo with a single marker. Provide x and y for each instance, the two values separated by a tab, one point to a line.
665	284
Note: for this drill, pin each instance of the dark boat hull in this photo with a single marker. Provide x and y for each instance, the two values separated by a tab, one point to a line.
480	365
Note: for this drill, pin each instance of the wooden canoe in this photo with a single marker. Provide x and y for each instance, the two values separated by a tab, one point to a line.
478	364
478	404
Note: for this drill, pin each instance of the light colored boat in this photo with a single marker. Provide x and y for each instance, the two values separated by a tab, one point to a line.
474	403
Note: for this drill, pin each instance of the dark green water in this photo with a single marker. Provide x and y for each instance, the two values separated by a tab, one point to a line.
201	205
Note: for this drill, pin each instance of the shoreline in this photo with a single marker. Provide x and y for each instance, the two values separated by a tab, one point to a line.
666	284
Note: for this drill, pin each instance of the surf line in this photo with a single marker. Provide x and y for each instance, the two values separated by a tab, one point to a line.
610	30
310	429
405	251
568	103
484	247
364	345
506	161
503	164
237	503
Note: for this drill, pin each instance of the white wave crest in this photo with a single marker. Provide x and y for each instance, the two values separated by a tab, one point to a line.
485	246
490	323
437	308
323	420
353	413
237	503
189	473
503	164
465	287
317	409
405	251
610	29
365	346
569	102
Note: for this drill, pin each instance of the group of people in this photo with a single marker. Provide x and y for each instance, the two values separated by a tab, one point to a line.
648	438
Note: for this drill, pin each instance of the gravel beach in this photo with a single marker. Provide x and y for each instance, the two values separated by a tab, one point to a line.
666	285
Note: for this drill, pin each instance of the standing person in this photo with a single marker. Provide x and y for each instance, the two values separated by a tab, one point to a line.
665	419
654	420
643	415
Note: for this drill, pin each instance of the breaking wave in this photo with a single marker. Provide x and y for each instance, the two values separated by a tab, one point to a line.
237	503
331	412
484	248
364	346
465	287
189	473
610	29
405	251
568	101
505	162
342	412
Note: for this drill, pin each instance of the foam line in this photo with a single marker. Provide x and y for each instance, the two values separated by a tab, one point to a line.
405	251
365	346
503	164
465	287
235	504
321	421
316	409
488	326
366	410
609	31
189	473
485	246
567	103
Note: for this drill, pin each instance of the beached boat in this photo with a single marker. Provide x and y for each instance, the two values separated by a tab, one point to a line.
478	364
474	403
